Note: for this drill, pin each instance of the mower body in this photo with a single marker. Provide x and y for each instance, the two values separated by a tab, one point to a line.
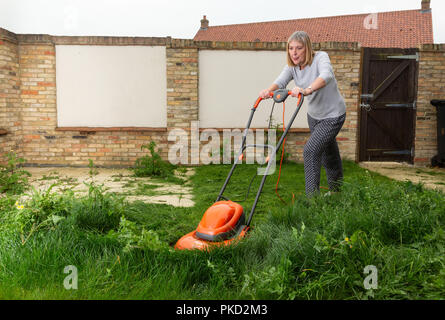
222	223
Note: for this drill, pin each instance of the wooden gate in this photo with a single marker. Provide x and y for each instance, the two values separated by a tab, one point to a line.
388	104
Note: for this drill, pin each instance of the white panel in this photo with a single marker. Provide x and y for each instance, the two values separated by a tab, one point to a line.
229	83
111	86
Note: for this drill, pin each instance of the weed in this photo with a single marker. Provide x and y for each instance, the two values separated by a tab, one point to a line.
13	180
133	236
51	176
152	165
43	211
93	170
272	283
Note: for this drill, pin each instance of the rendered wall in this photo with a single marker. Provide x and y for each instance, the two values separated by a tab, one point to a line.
111	86
230	81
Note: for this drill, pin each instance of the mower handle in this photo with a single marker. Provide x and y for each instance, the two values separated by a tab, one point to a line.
278	96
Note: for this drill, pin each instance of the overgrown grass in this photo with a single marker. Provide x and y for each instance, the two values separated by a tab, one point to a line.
302	249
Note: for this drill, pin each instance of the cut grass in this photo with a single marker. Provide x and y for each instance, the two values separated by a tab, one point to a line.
303	249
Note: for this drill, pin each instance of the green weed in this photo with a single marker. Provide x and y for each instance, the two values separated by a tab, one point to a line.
13	179
152	164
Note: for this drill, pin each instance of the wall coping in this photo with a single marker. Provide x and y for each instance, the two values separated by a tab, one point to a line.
8	36
433	47
140	129
162	41
111	129
180	43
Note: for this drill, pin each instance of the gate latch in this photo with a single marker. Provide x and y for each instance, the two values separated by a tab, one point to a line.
366	97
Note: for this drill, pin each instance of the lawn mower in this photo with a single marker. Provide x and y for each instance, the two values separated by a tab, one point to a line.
225	221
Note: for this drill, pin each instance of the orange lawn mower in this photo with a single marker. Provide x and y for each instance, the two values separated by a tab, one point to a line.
225	220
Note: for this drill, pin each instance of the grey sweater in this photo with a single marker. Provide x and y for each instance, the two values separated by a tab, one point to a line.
324	103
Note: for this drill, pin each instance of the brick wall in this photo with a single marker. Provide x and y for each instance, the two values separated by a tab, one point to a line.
38	97
345	58
28	101
10	103
42	143
431	85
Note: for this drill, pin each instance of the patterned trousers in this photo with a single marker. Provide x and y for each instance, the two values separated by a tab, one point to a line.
322	149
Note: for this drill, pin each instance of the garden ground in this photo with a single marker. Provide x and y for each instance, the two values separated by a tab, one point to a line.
122	181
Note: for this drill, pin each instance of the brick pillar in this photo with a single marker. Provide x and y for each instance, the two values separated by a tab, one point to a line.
10	124
182	92
38	96
431	85
346	64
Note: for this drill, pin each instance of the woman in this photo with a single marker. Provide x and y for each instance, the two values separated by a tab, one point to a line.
314	78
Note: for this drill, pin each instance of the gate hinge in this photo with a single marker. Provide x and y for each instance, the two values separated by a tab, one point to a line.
409	56
402	105
368	96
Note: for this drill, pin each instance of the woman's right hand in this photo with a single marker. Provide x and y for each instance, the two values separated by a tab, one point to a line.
265	94
296	91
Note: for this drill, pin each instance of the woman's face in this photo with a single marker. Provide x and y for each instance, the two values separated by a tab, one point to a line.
297	52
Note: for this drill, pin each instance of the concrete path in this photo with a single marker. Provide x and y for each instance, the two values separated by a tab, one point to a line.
432	178
119	181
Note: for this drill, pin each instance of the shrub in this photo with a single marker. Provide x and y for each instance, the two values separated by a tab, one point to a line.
12	179
44	211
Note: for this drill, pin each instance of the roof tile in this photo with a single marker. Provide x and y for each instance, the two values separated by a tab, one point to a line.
399	29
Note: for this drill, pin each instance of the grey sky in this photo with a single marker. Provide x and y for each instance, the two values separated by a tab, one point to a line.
180	18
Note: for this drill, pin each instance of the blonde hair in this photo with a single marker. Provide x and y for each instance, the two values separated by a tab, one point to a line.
303	38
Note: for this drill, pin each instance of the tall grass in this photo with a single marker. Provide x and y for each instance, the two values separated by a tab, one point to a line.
303	249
